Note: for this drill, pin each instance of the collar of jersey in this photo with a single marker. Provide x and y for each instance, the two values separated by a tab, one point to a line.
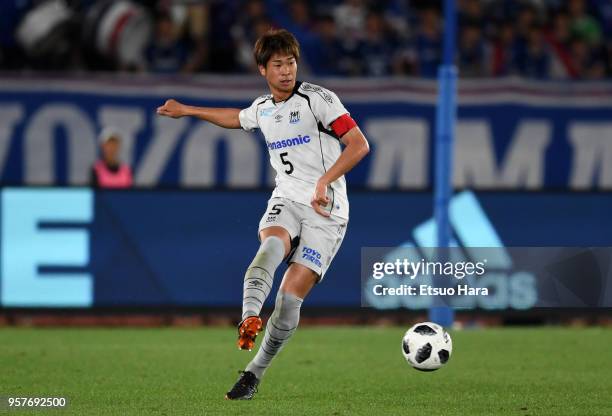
297	86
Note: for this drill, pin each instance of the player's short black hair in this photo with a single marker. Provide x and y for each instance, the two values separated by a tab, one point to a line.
278	41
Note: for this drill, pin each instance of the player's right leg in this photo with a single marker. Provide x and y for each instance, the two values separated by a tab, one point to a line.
258	280
275	230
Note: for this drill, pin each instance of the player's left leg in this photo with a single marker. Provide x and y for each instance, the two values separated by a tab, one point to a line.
296	284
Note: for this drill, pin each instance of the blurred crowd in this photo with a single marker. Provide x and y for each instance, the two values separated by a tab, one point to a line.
541	39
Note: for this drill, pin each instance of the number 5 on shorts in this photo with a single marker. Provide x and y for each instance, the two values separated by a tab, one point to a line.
276	209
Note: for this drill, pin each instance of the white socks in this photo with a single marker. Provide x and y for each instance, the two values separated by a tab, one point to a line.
259	276
280	327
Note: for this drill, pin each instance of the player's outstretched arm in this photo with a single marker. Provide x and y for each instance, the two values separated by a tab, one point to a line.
223	117
356	149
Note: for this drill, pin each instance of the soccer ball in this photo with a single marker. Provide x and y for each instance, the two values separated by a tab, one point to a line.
427	346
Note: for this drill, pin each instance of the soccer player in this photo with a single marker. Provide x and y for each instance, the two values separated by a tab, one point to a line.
306	218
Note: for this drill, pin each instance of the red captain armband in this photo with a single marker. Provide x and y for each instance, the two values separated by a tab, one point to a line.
343	124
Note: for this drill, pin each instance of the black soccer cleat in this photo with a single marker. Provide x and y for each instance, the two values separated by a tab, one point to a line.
245	387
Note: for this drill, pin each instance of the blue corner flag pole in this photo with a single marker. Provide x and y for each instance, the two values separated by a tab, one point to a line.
445	126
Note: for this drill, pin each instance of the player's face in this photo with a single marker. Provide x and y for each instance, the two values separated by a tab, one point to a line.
280	72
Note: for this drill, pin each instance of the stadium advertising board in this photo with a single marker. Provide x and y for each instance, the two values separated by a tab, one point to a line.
73	247
511	134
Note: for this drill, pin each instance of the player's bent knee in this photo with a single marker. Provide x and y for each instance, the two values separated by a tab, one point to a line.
269	256
272	243
277	233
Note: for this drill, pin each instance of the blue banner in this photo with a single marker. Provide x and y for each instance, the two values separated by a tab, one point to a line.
74	247
511	134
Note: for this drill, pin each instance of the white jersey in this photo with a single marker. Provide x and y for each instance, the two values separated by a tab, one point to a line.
301	143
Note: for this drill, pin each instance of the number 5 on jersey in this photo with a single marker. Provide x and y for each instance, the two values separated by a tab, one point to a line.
289	170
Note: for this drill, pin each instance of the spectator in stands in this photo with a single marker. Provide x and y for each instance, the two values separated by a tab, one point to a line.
583	25
331	59
196	31
168	53
527	17
400	18
504	54
297	18
534	59
471	50
109	172
350	18
559	39
252	22
470	11
377	49
428	44
604	12
300	14
589	54
588	64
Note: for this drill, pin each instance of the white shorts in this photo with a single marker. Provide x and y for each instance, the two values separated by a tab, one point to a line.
315	239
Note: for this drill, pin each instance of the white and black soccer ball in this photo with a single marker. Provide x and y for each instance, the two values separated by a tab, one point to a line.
427	346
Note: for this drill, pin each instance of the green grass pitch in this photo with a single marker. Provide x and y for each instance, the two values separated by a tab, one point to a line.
322	371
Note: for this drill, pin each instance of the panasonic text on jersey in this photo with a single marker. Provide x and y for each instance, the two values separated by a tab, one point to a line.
295	141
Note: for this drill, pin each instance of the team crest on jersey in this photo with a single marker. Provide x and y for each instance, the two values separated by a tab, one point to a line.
294	117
